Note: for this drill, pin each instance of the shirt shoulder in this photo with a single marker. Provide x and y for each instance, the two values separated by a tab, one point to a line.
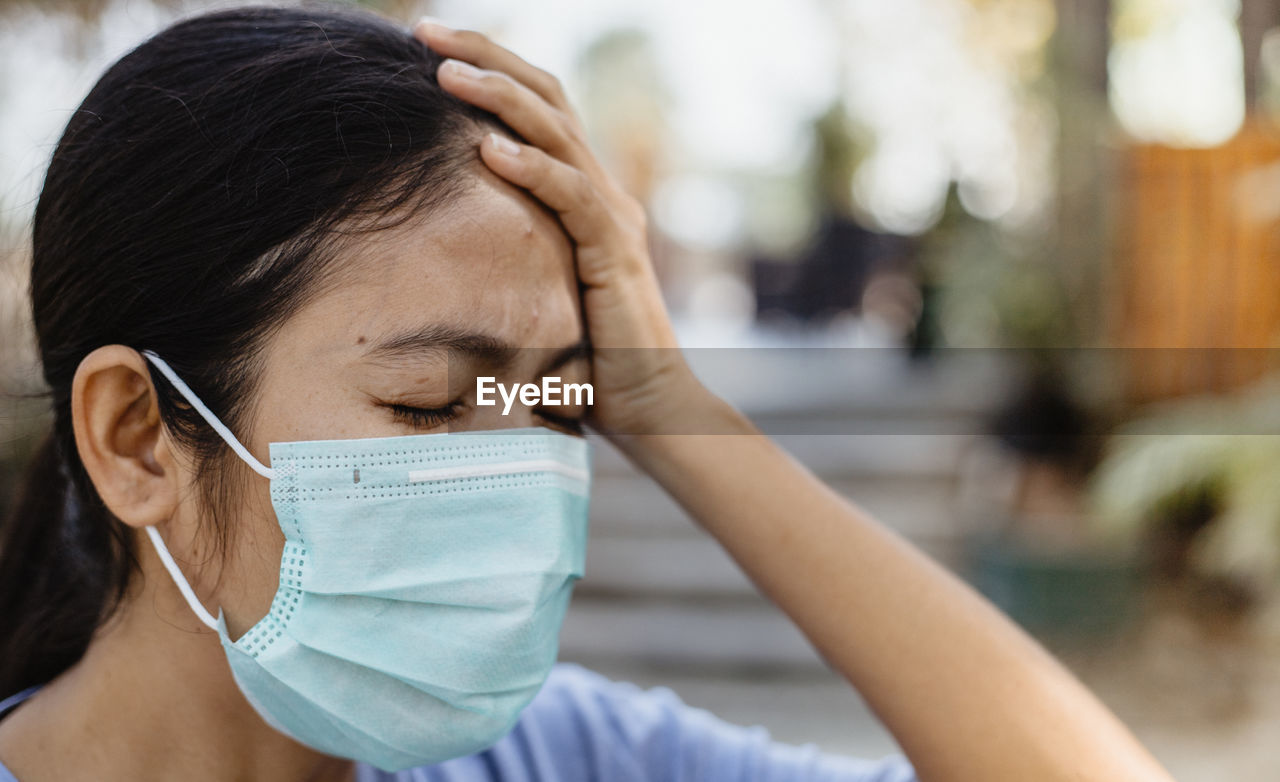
7	705
13	701
585	727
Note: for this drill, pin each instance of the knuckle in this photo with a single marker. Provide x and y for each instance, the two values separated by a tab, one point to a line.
632	210
641	221
569	127
551	83
639	238
470	38
633	261
574	129
632	233
583	189
636	210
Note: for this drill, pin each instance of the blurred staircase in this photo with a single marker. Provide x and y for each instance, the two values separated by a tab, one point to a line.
882	431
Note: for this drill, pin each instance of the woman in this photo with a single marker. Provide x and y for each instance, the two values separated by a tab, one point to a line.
295	233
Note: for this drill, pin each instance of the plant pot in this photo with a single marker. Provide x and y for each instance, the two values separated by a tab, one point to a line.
1058	591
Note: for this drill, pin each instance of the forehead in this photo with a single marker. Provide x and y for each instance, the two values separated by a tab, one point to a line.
492	260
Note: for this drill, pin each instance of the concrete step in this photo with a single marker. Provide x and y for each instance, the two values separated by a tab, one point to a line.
888	435
688	567
871	456
874	383
638	508
725	634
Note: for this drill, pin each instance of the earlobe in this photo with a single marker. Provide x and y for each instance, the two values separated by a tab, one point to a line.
121	438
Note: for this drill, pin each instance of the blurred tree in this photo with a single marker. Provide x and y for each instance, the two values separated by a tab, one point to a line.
625	106
1257	17
1077	85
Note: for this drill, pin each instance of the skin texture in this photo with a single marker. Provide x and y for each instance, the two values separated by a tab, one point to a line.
966	693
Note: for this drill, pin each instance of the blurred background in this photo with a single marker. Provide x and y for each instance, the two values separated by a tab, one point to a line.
1006	273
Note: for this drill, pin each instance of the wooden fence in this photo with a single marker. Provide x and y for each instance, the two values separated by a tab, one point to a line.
1196	282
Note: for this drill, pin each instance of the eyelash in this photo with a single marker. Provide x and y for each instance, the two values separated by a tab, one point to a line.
429	418
571	425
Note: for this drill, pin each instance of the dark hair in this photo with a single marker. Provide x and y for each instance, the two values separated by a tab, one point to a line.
196	199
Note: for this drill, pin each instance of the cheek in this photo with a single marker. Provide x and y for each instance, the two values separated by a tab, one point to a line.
251	568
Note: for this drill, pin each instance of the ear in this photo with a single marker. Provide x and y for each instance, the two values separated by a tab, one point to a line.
120	437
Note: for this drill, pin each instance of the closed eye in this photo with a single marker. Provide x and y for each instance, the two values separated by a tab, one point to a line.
425	417
570	425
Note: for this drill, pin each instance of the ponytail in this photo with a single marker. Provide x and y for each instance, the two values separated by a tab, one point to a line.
57	568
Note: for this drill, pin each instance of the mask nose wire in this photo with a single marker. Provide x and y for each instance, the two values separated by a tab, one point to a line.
162	550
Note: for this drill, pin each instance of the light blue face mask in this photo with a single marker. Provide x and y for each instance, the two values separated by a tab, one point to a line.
422	587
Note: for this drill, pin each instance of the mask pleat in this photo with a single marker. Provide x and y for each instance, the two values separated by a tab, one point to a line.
406	732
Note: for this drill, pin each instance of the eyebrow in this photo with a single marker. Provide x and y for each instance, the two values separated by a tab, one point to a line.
485	348
566	355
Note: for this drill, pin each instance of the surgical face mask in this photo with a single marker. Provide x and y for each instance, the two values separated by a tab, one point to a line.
422	586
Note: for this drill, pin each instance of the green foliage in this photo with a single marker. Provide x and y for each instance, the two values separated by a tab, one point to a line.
998	289
1182	453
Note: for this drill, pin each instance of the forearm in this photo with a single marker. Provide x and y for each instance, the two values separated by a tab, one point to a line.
968	695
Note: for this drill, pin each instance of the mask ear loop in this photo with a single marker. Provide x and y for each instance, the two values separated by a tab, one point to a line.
208	415
161	549
179	579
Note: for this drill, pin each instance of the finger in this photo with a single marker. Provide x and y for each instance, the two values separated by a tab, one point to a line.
568	191
455	43
522	109
478	49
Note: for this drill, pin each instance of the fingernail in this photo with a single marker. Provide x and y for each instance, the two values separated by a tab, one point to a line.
432	25
464	69
504	145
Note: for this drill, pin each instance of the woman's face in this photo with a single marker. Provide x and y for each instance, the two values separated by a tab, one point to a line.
483	287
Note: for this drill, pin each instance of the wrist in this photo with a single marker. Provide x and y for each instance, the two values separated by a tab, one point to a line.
691	409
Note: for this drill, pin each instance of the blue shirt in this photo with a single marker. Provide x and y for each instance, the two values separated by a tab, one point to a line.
583	727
